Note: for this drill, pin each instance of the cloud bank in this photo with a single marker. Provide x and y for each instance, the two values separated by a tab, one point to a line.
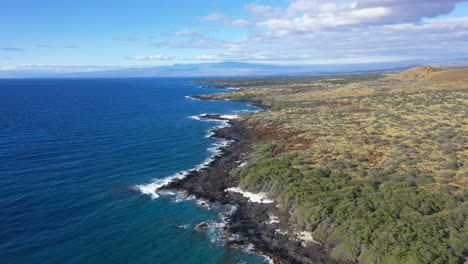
312	31
359	30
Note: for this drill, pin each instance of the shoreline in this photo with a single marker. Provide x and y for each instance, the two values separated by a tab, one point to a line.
260	224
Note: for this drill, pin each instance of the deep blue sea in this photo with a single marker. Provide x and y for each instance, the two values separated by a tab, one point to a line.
72	155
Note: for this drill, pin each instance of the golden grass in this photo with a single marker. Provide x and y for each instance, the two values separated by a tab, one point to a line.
435	74
379	125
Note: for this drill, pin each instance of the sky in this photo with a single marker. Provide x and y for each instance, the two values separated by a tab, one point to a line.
66	34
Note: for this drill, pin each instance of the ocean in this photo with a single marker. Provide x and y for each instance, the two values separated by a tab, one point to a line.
79	160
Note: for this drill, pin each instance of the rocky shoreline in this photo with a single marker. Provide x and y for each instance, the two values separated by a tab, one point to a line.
252	222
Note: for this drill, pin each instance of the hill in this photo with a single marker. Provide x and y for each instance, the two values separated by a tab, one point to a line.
433	73
451	75
373	167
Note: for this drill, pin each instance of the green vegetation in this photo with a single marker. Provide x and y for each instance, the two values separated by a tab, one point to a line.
379	219
372	165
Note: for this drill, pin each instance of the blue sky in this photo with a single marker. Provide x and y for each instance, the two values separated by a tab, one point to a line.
108	33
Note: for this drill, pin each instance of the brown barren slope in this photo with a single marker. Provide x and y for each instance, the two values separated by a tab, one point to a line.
433	73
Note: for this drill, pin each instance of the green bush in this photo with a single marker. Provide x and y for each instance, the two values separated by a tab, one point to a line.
381	218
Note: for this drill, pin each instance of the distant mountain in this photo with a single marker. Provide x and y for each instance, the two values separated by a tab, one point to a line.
223	69
192	70
232	69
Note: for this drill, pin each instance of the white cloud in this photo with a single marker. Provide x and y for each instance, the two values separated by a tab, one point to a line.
153	57
263	10
188	32
307	15
212	17
430	39
404	11
237	23
311	31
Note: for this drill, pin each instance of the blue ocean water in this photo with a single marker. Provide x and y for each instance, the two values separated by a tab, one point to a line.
71	154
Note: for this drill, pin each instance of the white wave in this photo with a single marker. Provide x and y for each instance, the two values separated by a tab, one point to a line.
268	259
203	203
223	124
152	189
230	117
202	117
182	196
232	88
215	151
217	232
249	248
216	228
210	134
195	117
192	98
232	210
168	193
218	146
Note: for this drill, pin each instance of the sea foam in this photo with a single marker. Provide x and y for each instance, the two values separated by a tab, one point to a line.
153	188
222	122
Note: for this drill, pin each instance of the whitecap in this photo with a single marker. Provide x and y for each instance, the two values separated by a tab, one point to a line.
152	188
230	117
192	98
203	203
250	248
195	117
210	134
268	259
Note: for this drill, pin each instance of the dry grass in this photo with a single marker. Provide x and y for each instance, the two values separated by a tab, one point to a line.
434	74
373	165
363	127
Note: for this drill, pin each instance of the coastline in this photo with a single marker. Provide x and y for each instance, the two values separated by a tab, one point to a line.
257	223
